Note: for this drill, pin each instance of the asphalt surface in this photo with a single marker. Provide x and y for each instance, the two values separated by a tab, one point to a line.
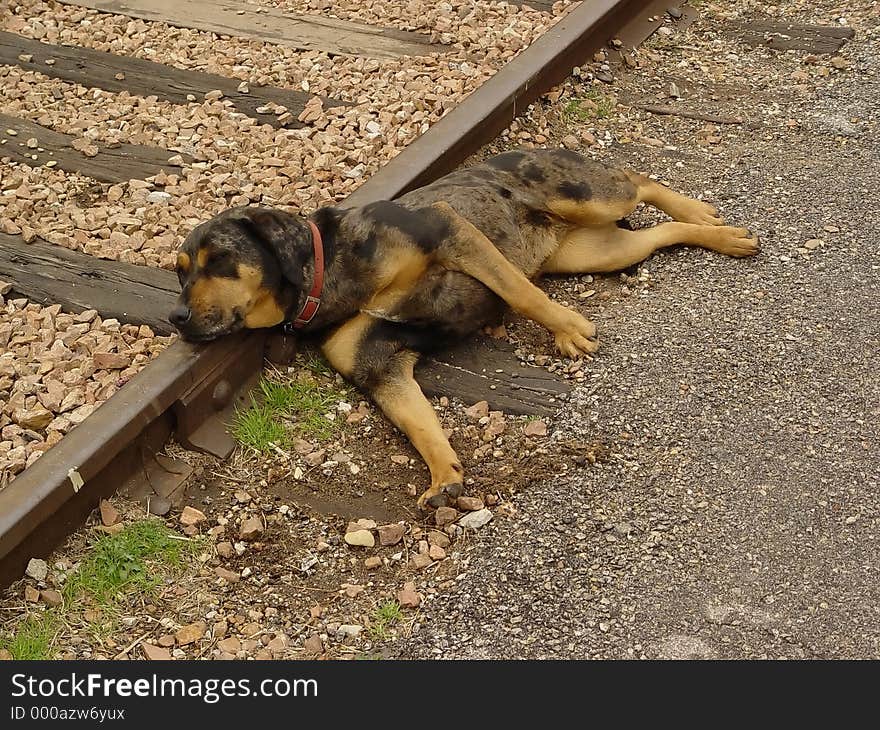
737	516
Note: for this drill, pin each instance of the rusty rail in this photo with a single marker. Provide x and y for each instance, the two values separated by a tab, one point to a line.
182	391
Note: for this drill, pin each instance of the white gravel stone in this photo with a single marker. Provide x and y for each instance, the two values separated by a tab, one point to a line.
37	569
476	520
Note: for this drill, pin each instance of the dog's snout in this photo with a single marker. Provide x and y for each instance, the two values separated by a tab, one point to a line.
180	315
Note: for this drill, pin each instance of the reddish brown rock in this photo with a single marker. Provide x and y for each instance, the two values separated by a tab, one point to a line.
110	360
51	597
109	513
278	643
470	504
496	426
408	597
421	561
391	534
190	633
251	528
231	645
230	576
35	418
444	516
477	410
192	516
535	428
155	653
313	645
435	537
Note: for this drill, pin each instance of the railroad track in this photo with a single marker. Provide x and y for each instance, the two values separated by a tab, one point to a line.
187	391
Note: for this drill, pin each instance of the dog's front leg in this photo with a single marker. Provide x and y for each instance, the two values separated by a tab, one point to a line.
379	366
469	251
401	399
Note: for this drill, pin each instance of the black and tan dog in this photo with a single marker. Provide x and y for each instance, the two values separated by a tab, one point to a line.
437	264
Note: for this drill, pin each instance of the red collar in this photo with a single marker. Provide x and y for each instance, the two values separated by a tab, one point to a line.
313	300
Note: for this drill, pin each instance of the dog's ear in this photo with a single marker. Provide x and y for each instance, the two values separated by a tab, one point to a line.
288	239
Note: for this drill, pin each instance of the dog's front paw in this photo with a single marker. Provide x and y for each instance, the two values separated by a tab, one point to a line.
576	337
440	496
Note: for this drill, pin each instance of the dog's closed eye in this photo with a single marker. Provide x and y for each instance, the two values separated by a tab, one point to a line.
220	263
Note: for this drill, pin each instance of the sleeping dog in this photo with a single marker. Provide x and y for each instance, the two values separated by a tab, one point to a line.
390	280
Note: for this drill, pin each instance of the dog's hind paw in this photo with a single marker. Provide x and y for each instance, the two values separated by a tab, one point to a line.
734	241
696	211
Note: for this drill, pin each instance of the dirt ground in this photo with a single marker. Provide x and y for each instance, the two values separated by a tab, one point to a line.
710	491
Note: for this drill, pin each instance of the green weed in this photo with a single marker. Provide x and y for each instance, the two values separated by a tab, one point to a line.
383	617
128	561
32	640
300	403
259	427
592	105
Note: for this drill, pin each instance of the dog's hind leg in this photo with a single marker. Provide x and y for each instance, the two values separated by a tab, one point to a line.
677	206
609	248
366	351
469	251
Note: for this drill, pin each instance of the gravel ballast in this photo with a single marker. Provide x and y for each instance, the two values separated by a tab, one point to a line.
55	369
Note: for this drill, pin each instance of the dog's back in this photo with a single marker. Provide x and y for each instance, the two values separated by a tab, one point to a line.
509	198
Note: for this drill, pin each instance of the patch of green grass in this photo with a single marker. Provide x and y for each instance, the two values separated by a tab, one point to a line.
383	617
302	403
33	639
259	427
592	105
278	396
313	402
130	560
135	560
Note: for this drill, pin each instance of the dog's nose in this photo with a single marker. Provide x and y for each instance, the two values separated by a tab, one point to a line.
180	315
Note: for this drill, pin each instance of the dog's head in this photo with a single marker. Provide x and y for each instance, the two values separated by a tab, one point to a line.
241	269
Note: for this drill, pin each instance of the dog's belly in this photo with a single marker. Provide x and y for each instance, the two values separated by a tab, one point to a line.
443	307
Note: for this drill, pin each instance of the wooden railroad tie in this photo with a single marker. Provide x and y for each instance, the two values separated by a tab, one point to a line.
49	274
303	32
784	36
108	164
139	77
